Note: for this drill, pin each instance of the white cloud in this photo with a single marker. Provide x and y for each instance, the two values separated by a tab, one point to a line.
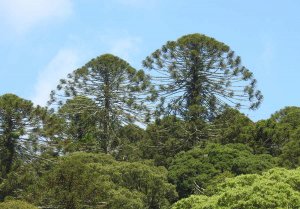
267	56
68	59
22	15
64	62
138	3
124	47
131	2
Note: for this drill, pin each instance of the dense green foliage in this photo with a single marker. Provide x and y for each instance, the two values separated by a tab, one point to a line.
112	140
198	170
20	129
83	180
80	127
277	188
290	156
170	135
231	126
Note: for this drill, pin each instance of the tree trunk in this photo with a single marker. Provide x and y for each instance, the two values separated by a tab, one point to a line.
106	113
194	88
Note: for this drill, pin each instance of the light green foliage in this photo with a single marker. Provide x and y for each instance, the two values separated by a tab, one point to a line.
276	188
201	75
289	116
84	180
116	88
16	204
198	170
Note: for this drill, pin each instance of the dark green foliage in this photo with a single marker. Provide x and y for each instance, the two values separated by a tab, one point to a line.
81	126
290	152
130	140
83	180
167	137
71	184
198	76
21	182
265	136
170	135
277	188
21	127
288	115
196	170
269	136
197	144
231	126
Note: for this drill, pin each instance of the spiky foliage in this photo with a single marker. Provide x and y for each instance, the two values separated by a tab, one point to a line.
199	75
20	130
115	87
81	127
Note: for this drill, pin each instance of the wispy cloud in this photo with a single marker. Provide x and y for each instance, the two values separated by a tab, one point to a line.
267	56
68	59
21	15
124	47
64	62
138	3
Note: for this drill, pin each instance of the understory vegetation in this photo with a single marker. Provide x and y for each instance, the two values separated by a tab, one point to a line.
170	135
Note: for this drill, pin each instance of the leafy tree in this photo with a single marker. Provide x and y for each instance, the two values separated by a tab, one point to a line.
148	180
80	121
198	75
288	124
20	130
290	152
16	204
289	115
166	138
276	188
115	87
169	136
21	182
131	140
269	136
231	126
71	185
83	180
196	170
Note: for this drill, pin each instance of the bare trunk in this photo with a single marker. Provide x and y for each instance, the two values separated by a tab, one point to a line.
106	113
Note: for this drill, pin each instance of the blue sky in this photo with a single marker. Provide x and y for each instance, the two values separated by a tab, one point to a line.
43	40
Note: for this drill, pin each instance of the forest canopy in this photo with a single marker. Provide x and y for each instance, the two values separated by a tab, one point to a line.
170	135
